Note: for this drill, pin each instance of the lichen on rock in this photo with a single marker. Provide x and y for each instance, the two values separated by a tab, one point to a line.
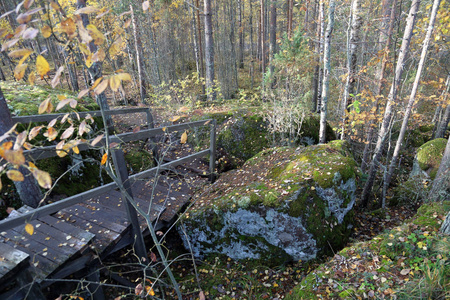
283	204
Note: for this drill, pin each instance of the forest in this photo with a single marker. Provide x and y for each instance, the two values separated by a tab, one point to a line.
227	149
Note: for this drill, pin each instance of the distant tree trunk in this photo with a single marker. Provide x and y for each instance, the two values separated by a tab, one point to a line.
273	34
241	35
315	79
379	89
199	34
383	134
290	8
412	97
139	62
209	51
252	54
354	44
440	190
263	38
28	190
321	48
326	76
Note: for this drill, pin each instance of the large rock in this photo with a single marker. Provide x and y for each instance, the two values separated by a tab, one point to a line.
283	204
429	157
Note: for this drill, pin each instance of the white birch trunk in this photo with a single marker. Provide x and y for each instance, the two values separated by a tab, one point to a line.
326	74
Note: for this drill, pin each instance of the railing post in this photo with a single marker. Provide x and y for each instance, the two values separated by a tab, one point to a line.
212	152
122	174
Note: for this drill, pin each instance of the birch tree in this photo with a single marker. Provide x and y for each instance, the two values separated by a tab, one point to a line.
389	110
326	75
412	97
209	51
352	55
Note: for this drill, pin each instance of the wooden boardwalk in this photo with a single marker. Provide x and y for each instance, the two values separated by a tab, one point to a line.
77	232
72	238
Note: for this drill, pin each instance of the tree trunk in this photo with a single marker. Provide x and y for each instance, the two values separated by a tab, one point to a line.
412	97
354	43
440	190
381	73
263	38
209	51
326	75
443	121
28	190
273	35
290	8
241	35
252	54
139	63
383	134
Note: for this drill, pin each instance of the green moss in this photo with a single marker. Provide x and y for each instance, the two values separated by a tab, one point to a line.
139	160
78	178
429	156
243	139
24	99
305	290
311	126
427	214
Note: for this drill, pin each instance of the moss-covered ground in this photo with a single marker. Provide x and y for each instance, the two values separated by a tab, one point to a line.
411	261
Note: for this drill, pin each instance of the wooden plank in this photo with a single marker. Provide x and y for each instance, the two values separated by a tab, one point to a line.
61	252
95	216
12	261
104	237
80	234
113	214
44	265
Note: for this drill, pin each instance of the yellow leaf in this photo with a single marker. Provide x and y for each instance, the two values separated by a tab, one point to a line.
67	133
104	159
23	18
114	82
43	178
83	47
83	93
76	150
98	37
19	71
20	53
183	109
9	44
14	156
15	175
62	103
42	66
99	55
45	106
174	119
1	185
29	229
30	33
96	82
32	78
56	79
183	138
96	140
51	134
101	87
127	23
34	132
46	31
86	10
124	76
69	27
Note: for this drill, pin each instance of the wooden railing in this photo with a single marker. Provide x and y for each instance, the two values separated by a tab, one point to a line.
120	164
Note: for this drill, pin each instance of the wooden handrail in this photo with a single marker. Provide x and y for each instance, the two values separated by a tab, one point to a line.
50	151
95	113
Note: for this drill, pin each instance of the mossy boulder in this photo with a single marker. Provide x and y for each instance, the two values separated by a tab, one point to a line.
309	133
283	204
240	139
429	157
